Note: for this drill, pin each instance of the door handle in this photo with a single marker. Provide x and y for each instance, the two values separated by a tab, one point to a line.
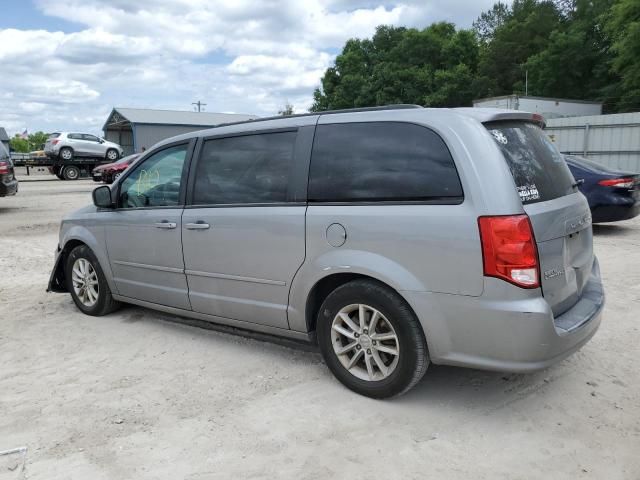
199	225
165	224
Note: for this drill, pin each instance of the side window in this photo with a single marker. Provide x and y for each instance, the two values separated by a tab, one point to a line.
381	161
156	181
90	138
247	169
75	136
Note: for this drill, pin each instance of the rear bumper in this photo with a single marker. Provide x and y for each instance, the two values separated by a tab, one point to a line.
615	213
515	335
8	188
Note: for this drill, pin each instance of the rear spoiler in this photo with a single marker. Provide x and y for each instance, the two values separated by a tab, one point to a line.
485	115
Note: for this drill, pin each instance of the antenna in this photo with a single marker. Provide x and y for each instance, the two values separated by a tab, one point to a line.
199	105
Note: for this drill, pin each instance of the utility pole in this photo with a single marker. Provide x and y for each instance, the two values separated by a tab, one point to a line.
199	104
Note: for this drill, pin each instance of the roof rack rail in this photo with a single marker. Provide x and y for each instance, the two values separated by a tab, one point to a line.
398	106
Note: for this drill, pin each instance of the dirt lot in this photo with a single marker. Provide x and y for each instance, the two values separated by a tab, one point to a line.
138	395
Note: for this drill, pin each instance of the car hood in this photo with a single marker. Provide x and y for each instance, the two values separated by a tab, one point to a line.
104	167
79	213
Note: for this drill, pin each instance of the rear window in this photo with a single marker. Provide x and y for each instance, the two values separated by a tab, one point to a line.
381	161
54	135
538	168
3	152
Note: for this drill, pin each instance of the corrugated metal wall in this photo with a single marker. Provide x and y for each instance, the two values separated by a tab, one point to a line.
612	140
148	135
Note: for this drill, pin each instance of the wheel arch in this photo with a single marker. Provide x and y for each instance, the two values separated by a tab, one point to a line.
324	286
78	236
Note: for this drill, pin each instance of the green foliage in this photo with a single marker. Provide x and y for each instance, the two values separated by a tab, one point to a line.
35	141
623	27
287	110
582	49
20	145
402	65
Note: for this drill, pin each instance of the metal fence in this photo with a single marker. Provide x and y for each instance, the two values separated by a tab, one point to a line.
612	140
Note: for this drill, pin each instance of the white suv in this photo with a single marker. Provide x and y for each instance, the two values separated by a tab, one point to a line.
66	146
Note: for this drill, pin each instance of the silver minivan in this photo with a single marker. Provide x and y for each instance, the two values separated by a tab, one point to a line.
393	237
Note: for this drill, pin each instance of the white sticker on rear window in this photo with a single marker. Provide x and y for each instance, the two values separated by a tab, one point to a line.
528	192
499	136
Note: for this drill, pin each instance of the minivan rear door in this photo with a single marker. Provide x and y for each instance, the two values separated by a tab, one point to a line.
243	234
559	213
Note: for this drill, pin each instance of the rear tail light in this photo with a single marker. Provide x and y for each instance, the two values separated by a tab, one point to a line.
509	250
55	141
4	168
617	182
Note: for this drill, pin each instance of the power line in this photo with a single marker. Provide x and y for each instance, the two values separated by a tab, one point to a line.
199	104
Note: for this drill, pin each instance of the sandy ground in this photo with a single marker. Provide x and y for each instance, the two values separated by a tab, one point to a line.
138	395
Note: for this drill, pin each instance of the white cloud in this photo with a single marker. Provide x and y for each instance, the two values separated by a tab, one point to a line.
240	56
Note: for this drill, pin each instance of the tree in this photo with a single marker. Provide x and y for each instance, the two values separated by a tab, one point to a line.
19	144
623	27
523	33
287	110
402	65
37	140
488	22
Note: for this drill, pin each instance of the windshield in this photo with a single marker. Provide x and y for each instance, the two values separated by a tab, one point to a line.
537	167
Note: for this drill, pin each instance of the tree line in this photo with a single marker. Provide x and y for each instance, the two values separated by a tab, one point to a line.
33	141
576	49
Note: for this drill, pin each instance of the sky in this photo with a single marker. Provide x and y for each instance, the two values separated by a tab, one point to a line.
66	63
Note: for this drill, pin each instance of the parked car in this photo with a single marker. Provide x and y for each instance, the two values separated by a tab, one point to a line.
393	237
612	195
108	173
8	180
65	146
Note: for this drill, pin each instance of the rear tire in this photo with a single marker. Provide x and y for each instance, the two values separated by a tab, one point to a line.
88	274
383	362
66	154
71	172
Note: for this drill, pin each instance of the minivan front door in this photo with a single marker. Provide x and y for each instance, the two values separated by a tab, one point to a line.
244	236
143	234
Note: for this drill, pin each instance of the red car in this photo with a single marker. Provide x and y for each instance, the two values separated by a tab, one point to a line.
109	172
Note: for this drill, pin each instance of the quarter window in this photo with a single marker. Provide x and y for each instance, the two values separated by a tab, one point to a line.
155	182
245	169
381	161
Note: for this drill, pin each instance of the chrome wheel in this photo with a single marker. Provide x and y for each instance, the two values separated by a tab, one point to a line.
85	282
66	154
365	342
112	155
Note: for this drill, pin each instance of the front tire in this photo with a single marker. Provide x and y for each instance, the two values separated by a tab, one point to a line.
371	340
87	284
112	155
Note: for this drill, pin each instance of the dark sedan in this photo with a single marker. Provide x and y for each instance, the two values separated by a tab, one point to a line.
8	180
109	173
612	195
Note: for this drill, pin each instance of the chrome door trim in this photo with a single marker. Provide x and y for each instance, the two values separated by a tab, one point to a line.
235	277
149	267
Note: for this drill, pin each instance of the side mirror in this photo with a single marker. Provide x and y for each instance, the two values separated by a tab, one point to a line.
101	140
102	197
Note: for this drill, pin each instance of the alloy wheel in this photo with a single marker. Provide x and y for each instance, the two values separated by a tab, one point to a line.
365	342
85	282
